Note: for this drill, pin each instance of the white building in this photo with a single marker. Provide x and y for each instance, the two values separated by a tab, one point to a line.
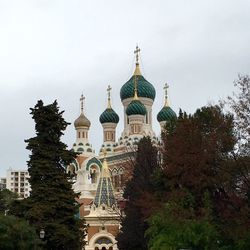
18	181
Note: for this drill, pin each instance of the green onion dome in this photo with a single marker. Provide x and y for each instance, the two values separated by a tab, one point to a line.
109	115
166	114
136	108
145	88
82	121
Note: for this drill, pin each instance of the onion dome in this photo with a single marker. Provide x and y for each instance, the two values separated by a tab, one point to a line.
145	88
166	113
109	115
82	120
136	108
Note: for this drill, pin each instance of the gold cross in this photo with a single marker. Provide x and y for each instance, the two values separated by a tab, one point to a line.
166	86
109	90
137	50
82	100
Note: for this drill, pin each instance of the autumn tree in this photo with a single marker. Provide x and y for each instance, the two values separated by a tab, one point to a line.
203	210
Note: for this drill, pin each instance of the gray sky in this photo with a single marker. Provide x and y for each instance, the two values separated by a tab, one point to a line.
58	49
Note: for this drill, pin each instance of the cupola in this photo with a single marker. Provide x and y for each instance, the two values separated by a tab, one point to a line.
166	114
144	88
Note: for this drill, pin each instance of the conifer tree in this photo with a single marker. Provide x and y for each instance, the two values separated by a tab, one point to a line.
51	205
134	223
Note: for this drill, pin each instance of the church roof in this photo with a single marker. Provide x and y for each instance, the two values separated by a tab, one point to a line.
145	88
104	193
166	114
109	115
82	121
136	108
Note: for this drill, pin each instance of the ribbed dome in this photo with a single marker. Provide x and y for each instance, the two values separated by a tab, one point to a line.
166	114
82	121
145	88
109	115
136	108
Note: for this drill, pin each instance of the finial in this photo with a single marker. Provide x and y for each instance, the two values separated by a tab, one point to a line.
82	102
137	51
166	87
109	99
137	67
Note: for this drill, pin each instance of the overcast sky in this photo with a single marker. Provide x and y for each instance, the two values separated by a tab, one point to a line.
58	49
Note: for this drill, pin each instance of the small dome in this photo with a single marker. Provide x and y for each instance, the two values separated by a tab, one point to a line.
136	108
166	114
145	88
82	121
109	115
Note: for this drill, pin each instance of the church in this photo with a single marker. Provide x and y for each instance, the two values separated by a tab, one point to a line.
100	179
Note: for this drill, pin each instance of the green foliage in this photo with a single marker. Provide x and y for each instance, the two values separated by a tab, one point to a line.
203	206
177	227
17	234
52	204
6	199
134	224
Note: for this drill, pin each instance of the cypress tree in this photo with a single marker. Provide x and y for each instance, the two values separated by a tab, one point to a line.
134	225
51	205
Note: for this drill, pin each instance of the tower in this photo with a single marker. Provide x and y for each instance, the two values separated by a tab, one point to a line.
145	94
82	125
166	114
104	217
109	120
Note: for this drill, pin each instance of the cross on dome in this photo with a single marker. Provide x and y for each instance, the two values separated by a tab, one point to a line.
136	52
166	87
82	99
109	98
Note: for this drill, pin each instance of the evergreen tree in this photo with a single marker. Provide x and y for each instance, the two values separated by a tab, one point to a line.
134	223
51	205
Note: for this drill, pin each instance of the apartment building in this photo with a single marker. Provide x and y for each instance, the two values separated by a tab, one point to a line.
18	181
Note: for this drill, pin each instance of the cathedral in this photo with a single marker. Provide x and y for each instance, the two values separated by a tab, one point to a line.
100	179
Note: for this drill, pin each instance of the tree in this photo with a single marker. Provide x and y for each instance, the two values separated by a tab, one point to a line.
201	203
239	104
16	233
134	223
6	199
52	205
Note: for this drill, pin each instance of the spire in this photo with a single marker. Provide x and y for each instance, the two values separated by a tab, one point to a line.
82	99
104	193
109	99
166	87
137	71
105	169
